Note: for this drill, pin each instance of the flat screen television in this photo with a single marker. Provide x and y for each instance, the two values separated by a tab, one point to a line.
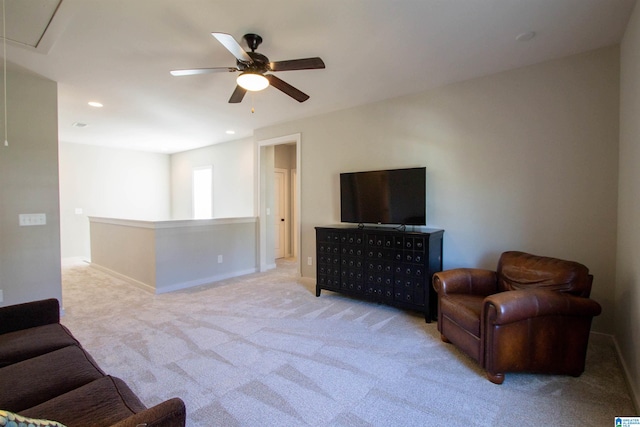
395	196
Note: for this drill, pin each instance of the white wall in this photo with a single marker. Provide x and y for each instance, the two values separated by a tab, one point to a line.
29	256
627	292
520	160
108	182
116	183
234	165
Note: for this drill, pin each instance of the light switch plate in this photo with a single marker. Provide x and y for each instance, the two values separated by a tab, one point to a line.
26	220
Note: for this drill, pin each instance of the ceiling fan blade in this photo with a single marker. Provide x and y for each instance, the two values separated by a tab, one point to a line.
237	95
233	46
195	71
287	88
297	64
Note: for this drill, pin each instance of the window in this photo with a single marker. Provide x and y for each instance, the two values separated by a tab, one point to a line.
203	192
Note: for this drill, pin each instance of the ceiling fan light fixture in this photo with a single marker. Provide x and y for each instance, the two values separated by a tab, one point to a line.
252	81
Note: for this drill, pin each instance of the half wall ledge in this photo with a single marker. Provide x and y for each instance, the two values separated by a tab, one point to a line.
165	256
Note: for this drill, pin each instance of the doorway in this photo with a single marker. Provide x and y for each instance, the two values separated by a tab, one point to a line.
279	166
280	213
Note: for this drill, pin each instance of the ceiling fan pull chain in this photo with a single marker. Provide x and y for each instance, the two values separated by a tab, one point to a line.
4	66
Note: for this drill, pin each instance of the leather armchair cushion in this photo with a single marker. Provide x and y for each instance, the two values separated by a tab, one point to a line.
464	310
520	270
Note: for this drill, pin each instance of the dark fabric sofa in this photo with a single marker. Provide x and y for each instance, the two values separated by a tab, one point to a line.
46	374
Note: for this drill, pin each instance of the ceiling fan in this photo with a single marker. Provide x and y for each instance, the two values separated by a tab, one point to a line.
253	68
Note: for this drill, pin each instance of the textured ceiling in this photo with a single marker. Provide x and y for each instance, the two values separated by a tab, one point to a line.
120	52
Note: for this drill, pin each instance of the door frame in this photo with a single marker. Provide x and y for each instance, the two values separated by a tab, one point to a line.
263	218
294	210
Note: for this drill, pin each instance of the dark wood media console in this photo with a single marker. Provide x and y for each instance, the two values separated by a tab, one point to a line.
380	264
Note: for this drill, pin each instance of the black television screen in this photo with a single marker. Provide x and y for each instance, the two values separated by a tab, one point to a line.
396	196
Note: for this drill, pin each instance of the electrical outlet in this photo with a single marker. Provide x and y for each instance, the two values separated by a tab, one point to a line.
219	259
310	261
1	295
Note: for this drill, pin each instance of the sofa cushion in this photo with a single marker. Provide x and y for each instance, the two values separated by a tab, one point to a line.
102	402
29	315
33	381
9	419
27	343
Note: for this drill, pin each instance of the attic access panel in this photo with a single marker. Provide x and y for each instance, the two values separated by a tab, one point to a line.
27	21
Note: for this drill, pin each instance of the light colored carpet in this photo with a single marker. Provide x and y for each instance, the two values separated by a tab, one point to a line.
262	350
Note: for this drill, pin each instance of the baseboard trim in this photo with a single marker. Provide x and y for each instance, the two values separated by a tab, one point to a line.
124	277
309	281
203	281
175	286
635	394
74	261
625	369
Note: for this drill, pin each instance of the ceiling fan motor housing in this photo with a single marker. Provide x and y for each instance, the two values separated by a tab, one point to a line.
260	63
253	41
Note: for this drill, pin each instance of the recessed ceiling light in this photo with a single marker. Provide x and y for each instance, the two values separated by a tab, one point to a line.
95	104
79	125
525	37
231	132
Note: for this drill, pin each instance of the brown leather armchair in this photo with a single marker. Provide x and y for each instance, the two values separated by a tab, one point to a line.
531	315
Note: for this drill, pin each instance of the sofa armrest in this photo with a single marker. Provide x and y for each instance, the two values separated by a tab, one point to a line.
472	281
513	306
170	413
29	315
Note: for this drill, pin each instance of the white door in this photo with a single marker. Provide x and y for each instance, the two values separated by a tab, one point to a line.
279	214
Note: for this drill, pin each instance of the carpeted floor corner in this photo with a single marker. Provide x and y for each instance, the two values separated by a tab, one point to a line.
262	350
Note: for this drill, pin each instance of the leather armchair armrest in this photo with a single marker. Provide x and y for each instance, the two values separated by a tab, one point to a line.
513	306
29	315
473	281
170	413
